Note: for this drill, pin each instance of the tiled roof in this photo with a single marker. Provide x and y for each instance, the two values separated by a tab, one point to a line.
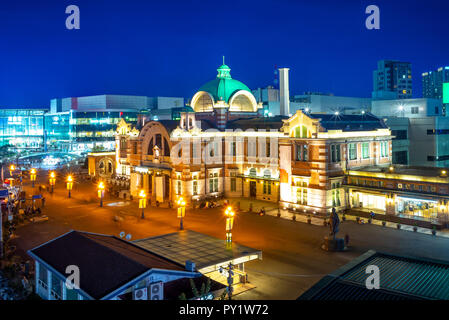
105	262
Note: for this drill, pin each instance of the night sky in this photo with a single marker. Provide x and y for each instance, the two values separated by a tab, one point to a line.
171	48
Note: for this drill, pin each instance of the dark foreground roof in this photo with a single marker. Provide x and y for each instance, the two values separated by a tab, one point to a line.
352	122
401	278
105	262
173	289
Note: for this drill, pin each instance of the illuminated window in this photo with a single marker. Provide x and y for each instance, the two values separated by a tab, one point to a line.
352	151
233	182
267	187
365	150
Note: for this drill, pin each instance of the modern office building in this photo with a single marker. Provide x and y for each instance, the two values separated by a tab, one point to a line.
84	123
269	97
421	137
328	103
22	128
432	83
392	80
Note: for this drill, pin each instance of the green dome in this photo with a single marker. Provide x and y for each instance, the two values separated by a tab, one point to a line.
223	87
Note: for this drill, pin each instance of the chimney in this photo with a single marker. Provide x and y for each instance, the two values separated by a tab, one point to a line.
284	92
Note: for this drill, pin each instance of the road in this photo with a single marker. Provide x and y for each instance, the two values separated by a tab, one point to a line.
292	258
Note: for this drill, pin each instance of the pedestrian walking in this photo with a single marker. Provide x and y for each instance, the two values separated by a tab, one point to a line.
346	239
43	202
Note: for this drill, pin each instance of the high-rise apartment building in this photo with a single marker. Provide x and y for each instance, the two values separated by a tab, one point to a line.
432	82
392	80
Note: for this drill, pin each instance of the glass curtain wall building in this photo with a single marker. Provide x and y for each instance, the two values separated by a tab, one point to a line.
84	130
22	128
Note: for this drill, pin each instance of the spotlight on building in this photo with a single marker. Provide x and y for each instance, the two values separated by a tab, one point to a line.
443	173
391	168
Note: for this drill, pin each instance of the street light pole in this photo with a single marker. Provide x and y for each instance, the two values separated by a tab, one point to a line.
181	211
33	176
70	185
142	202
101	192
229	213
52	180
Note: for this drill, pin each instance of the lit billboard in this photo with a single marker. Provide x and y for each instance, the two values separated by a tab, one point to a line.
446	92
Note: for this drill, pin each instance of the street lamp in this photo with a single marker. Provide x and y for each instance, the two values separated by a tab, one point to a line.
229	213
142	202
101	192
52	180
181	211
70	185
33	176
11	169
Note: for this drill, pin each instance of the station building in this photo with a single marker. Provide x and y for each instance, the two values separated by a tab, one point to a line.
222	147
309	163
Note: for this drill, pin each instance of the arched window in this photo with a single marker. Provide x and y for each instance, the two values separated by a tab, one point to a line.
267	173
204	103
166	148
150	147
253	172
242	103
190	123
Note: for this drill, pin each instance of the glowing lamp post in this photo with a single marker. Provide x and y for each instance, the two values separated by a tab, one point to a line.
70	185
229	213
52	180
101	192
142	202
11	169
33	176
181	211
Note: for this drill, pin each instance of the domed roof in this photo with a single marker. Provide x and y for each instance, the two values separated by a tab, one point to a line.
223	87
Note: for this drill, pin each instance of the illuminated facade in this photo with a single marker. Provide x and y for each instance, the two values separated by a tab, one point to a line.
411	192
308	163
22	128
83	130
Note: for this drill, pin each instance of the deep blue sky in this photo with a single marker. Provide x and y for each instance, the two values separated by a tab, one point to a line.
170	48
